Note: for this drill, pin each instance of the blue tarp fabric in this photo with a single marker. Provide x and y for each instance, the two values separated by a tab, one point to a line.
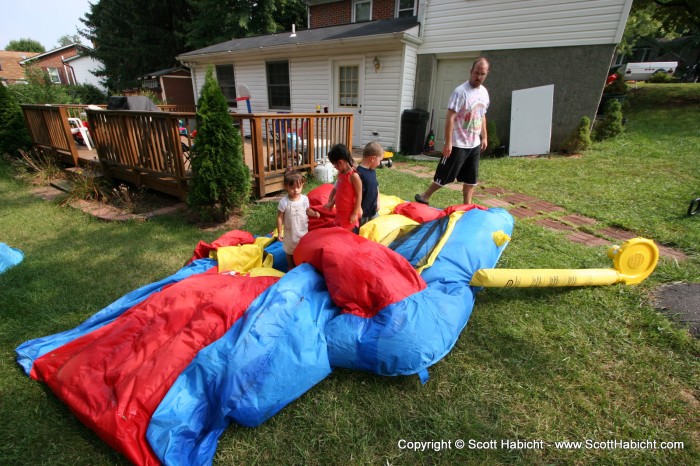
9	257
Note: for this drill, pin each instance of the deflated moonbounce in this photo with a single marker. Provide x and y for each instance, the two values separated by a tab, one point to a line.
161	372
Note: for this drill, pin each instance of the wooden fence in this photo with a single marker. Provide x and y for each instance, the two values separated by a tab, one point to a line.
153	148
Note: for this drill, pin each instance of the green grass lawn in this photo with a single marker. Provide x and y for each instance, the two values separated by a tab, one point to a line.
546	364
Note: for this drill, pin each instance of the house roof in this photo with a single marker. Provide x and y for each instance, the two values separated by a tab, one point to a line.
10	68
75	45
309	36
163	72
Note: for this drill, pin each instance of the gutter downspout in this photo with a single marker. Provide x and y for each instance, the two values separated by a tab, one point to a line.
422	7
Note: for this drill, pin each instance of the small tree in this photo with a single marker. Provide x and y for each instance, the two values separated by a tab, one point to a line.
580	138
611	124
220	180
13	130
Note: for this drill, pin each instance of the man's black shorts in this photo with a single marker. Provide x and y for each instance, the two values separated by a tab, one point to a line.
462	164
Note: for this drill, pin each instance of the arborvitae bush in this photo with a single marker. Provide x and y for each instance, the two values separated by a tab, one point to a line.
611	124
580	138
220	179
14	134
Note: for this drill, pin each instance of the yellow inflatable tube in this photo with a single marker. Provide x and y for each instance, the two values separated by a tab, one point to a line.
634	261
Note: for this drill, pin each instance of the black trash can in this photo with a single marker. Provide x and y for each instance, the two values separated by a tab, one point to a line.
413	124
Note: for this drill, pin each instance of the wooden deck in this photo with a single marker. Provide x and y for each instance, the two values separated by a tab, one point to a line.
147	148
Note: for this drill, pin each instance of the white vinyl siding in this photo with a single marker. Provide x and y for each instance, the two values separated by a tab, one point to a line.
83	68
385	92
468	25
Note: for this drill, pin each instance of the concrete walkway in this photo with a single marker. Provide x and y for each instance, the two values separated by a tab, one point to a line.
577	228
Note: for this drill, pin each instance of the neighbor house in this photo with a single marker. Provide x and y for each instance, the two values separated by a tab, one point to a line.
11	71
378	58
67	65
81	70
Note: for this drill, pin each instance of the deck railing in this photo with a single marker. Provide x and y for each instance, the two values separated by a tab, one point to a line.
297	140
49	129
153	148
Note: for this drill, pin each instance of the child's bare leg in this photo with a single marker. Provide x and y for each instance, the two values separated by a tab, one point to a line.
290	262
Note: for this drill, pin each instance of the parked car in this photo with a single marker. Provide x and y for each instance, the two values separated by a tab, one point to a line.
643	71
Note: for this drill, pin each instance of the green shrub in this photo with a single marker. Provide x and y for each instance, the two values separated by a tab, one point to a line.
617	87
86	94
611	123
39	89
493	139
14	134
580	138
660	77
220	179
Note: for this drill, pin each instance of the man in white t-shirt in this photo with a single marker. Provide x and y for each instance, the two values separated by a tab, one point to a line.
465	135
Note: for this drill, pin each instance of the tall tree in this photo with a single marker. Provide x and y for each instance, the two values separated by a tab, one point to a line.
132	38
68	39
657	19
215	21
25	45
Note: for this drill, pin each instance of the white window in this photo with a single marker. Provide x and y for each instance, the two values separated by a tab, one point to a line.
227	82
278	89
348	86
361	10
405	8
53	75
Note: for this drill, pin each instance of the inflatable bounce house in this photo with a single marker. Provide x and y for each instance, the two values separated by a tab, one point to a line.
233	337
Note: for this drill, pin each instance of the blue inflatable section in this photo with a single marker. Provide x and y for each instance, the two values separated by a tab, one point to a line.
413	334
272	355
30	350
9	257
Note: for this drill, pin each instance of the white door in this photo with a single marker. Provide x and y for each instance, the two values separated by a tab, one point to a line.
450	74
348	84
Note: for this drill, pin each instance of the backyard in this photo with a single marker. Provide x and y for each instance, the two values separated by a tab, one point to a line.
540	365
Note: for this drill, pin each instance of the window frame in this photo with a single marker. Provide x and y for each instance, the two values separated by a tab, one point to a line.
272	102
355	3
54	79
397	13
227	87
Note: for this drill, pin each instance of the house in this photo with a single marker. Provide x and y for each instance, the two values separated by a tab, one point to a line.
66	65
172	85
11	71
80	69
378	58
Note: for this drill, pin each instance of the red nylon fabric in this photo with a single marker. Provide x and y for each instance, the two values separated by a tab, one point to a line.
318	197
362	276
114	378
422	213
232	238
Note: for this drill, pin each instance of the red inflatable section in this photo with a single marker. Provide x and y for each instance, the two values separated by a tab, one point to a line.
114	378
422	213
318	197
232	238
362	276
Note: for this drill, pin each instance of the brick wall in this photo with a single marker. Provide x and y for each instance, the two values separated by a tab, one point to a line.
335	13
56	61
